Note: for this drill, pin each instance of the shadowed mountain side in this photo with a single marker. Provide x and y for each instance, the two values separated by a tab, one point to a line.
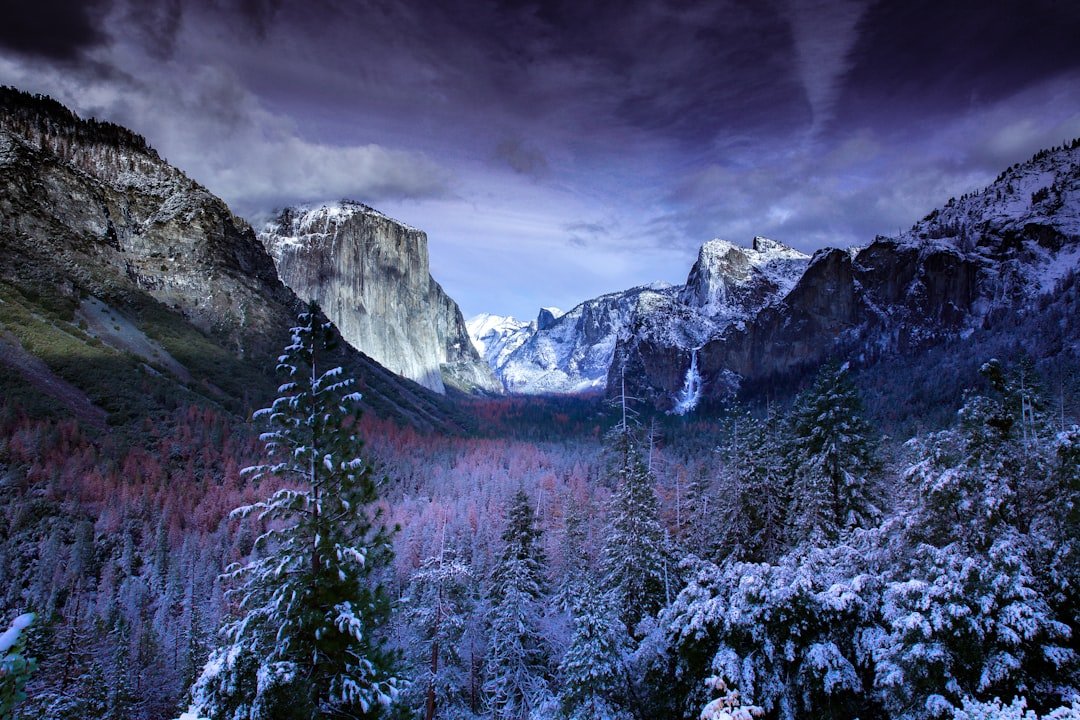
91	218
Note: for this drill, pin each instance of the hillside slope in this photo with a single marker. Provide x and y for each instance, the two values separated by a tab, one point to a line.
131	283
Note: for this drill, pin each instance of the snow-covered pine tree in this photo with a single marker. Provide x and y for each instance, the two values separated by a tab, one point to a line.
989	471
437	606
122	698
518	659
756	493
698	532
306	642
832	459
575	560
987	560
635	563
592	671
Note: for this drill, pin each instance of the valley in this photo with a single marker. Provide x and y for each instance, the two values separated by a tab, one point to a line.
843	483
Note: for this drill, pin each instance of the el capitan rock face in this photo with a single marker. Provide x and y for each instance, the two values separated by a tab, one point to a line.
370	275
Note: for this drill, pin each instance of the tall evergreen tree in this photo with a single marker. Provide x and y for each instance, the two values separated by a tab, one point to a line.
592	671
635	554
122	698
757	494
832	458
518	662
437	605
575	560
307	643
698	532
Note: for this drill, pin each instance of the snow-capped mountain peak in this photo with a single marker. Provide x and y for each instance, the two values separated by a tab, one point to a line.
729	281
574	351
496	336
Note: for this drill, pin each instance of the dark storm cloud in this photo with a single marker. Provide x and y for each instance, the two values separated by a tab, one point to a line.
685	70
565	148
592	72
54	29
925	58
259	14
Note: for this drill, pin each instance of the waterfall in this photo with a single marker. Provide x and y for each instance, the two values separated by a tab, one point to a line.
690	394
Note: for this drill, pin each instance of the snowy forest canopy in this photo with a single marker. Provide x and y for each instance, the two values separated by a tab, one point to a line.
781	563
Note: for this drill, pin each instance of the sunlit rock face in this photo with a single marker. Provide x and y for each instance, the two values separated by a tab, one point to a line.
370	275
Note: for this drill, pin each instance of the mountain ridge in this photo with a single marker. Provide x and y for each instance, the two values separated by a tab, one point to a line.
136	285
575	351
961	268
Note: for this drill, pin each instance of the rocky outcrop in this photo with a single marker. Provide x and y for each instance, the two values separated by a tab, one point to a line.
547	317
985	256
370	275
730	282
93	221
90	205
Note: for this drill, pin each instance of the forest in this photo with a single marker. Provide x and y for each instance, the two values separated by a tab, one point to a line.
587	560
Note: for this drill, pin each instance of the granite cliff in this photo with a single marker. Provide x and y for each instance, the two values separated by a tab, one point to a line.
370	275
992	254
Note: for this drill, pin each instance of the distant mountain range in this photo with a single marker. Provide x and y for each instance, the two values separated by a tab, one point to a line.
122	280
573	352
752	316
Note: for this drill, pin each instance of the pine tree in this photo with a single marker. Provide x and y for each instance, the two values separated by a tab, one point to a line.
437	605
122	698
989	555
518	662
575	561
832	456
756	494
635	554
990	472
592	671
86	696
307	644
699	529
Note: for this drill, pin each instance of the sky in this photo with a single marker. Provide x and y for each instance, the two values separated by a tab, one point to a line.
555	151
